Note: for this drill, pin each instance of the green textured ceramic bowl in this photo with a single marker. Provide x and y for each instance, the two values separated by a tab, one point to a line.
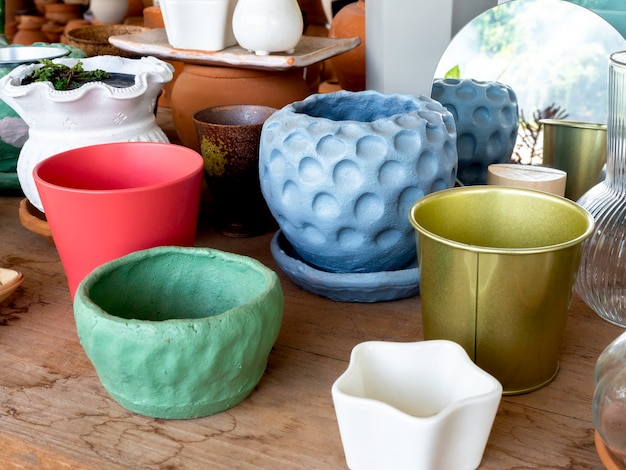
179	332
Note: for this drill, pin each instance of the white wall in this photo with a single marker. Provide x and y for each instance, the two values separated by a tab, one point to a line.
406	38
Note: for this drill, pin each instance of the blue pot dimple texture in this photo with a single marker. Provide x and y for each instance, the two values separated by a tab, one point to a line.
340	171
487	119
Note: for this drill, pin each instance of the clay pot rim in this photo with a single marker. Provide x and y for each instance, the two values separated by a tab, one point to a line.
193	166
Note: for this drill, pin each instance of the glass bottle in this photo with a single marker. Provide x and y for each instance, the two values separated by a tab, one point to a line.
601	281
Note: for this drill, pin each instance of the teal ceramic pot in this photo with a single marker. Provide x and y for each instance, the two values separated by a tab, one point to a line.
340	171
179	332
487	120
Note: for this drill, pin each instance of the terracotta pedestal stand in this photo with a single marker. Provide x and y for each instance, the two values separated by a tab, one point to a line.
233	75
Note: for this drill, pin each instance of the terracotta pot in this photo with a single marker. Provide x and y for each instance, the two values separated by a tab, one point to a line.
200	86
10	19
53	31
61	13
135	8
105	201
29	30
153	18
42	4
349	68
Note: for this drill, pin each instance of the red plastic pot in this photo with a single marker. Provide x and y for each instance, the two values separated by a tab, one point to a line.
106	201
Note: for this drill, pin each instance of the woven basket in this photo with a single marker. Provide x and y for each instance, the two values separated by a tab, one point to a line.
94	39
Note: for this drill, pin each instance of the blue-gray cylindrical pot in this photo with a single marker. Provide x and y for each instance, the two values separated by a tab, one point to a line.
340	171
486	114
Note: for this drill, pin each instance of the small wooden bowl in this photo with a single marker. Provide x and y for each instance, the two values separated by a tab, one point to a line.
9	281
93	40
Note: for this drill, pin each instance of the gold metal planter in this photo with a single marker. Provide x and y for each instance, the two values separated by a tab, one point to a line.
579	149
497	268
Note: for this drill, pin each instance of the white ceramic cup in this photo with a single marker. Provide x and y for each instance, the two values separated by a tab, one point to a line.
422	405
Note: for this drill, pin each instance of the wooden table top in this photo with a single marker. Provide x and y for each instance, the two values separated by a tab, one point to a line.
54	413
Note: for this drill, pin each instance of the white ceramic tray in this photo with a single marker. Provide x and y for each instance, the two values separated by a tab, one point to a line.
310	50
14	56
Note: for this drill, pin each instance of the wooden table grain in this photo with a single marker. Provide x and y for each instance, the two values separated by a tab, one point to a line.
54	413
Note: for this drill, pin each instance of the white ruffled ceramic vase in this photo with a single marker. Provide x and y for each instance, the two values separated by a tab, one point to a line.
95	113
266	26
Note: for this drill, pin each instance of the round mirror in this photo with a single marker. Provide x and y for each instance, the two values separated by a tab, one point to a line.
553	53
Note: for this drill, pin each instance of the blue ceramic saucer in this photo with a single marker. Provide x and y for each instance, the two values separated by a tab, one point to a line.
344	287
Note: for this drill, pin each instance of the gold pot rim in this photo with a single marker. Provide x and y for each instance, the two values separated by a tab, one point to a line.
574	124
508	190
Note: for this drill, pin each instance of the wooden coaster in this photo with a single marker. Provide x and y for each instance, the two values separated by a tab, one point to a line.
35	220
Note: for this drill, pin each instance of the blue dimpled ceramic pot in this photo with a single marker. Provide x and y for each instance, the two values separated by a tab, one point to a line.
340	171
487	118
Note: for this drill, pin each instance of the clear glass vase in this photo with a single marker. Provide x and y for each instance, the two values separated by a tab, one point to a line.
601	279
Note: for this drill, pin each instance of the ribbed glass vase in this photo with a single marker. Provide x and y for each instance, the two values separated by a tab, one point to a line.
601	279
